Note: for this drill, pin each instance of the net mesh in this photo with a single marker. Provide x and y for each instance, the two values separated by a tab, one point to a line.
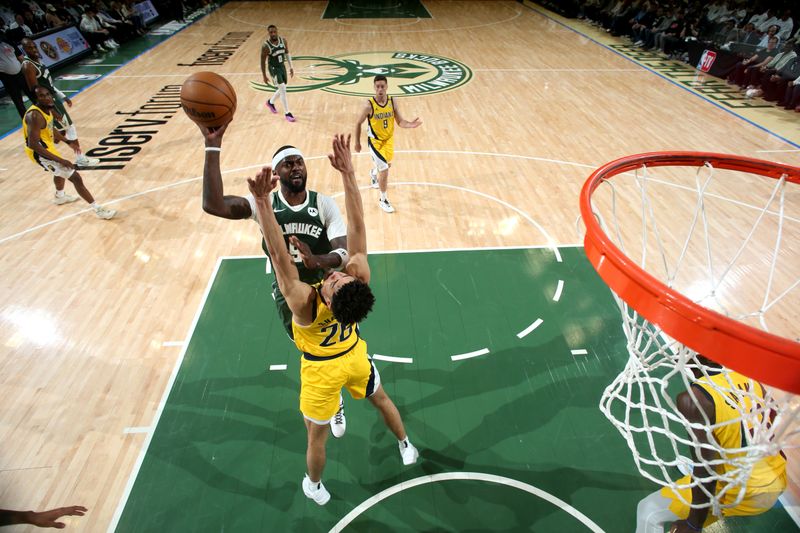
729	241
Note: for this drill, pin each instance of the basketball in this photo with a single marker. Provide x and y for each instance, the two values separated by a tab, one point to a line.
208	99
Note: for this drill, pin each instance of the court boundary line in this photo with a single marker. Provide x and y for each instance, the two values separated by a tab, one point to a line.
469	476
134	474
115	518
673	82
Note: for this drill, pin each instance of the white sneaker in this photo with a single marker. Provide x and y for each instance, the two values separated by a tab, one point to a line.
319	494
408	452
113	43
66	199
104	213
84	161
373	179
386	206
339	422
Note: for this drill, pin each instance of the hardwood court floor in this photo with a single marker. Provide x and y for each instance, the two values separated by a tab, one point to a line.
93	312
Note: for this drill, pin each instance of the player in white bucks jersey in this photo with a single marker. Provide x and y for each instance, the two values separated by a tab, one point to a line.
274	57
381	114
37	73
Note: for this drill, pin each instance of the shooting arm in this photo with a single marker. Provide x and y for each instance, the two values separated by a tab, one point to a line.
214	200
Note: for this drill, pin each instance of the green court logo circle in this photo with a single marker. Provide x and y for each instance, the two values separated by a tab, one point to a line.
408	73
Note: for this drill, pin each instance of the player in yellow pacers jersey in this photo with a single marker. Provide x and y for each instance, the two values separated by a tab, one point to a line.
40	145
381	114
706	405
325	319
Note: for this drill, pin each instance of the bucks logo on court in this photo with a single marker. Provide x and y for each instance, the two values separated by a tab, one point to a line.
351	74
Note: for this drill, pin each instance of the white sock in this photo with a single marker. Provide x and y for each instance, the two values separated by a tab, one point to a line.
405	442
94	205
282	94
383	197
59	194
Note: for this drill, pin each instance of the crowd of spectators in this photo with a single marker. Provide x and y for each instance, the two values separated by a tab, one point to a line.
103	23
763	34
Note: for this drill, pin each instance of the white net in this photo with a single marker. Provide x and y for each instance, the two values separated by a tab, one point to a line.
729	241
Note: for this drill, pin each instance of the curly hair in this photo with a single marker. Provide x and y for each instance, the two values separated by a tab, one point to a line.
352	302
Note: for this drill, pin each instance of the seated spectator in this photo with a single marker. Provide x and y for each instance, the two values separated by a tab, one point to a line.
123	12
75	11
791	98
755	76
98	36
22	29
662	21
121	31
773	82
760	58
673	31
644	20
35	23
772	30
785	25
52	19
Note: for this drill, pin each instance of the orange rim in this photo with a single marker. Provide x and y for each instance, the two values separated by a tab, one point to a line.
750	351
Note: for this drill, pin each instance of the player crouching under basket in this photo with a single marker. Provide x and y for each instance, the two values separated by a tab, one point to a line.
718	405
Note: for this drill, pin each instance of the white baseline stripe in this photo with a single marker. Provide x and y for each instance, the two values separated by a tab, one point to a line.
479	476
277	367
579	352
530	328
139	429
557	295
173	343
470	354
777	151
391	359
791	507
138	465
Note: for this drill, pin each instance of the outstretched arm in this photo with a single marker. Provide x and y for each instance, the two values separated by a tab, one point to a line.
365	111
342	160
41	519
214	200
698	409
299	295
403	123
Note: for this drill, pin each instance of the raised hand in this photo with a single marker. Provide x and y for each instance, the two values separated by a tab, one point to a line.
49	518
213	136
309	260
341	159
263	183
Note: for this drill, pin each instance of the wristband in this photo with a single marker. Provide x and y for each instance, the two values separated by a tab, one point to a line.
213	149
341	252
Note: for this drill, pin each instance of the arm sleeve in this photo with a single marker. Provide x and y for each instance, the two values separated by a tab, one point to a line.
252	201
331	217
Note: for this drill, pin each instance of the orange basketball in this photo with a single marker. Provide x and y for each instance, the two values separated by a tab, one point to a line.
208	99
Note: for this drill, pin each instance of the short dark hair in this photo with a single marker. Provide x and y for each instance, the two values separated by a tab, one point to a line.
380	77
352	302
282	148
272	26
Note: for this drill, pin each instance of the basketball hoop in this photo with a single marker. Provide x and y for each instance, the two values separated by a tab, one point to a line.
710	274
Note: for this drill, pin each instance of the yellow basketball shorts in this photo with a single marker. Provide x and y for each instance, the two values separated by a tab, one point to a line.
382	152
756	500
322	381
